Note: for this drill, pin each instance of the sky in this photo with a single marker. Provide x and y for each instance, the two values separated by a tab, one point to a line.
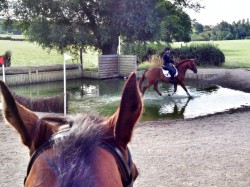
216	11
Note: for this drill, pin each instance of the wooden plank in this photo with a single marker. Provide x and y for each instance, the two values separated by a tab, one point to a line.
33	69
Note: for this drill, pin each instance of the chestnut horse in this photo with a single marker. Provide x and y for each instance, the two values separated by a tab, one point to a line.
6	59
155	75
84	150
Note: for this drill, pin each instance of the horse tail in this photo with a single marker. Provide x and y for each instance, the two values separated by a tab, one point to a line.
141	80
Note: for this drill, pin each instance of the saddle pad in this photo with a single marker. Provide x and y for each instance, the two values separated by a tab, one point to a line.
167	74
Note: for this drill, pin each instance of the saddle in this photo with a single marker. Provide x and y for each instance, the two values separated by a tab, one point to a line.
167	74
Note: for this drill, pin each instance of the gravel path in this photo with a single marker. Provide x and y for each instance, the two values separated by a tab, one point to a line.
206	151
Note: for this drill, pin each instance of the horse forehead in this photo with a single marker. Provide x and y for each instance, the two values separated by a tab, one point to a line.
41	173
73	152
106	169
192	61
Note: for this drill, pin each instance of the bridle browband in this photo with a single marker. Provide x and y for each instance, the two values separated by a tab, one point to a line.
125	167
47	145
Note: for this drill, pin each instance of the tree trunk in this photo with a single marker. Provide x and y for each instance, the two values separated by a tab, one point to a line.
110	47
81	60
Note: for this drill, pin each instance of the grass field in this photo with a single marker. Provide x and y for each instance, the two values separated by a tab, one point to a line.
237	53
30	54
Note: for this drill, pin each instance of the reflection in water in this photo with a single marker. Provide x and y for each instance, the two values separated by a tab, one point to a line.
89	90
103	97
165	107
84	90
176	109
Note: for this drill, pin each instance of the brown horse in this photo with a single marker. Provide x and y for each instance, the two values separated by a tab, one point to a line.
6	58
155	75
77	151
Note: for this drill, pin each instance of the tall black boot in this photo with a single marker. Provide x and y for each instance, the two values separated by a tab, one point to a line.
172	80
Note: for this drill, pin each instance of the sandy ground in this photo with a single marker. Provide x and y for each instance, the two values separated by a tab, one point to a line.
206	151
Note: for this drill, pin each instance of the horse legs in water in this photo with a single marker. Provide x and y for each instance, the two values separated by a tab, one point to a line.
184	87
146	86
175	89
144	89
156	88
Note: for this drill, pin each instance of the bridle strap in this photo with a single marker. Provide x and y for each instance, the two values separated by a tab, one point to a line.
125	167
47	145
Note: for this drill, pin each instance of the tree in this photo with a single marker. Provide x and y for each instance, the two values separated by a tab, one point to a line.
3	4
3	7
198	27
77	24
175	24
192	4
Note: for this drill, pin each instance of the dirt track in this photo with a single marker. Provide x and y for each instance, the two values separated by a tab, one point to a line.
207	151
210	151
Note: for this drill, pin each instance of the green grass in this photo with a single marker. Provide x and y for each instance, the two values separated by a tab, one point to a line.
25	53
236	51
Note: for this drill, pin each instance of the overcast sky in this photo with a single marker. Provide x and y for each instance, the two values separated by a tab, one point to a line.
216	11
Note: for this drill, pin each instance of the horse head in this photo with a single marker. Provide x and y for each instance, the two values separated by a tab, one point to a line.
192	65
188	64
82	150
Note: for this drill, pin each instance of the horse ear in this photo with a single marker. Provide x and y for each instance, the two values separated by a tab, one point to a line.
11	114
22	119
128	113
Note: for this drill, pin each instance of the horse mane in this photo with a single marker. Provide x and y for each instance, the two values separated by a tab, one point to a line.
74	155
184	61
53	104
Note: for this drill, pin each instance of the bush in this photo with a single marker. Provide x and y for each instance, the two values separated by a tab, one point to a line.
197	37
143	50
204	54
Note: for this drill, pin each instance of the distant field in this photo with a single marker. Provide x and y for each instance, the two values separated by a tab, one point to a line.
30	54
237	52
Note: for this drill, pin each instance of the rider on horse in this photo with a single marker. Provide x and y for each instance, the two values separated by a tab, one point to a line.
167	64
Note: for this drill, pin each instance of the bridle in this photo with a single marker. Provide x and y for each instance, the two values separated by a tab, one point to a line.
125	167
47	145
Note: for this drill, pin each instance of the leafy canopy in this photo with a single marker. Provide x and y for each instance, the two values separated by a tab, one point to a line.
77	24
3	5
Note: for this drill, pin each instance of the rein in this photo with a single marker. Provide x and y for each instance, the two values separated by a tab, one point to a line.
125	167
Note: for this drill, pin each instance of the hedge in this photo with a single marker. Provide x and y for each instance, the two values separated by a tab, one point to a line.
204	54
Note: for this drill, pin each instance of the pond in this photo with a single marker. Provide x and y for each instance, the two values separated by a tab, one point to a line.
103	97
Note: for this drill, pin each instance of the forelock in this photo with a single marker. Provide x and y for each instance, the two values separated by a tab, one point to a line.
75	154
